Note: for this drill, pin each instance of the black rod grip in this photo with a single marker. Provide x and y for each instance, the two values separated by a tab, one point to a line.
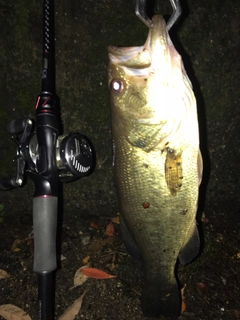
45	210
16	126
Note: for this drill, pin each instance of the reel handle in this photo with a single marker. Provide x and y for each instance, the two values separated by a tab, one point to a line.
16	126
9	183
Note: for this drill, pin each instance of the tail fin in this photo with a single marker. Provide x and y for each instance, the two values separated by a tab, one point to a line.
158	299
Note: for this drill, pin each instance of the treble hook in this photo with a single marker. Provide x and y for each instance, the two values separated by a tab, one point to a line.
141	14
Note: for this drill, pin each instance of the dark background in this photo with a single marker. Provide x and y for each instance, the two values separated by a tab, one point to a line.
207	36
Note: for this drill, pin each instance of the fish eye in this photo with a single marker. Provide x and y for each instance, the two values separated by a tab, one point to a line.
116	85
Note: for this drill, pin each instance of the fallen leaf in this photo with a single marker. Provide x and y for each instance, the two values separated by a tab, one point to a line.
11	312
28	241
95	224
236	313
85	260
224	281
183	306
116	219
201	287
79	278
96	273
31	234
3	274
204	219
15	245
62	257
219	237
73	310
97	245
110	229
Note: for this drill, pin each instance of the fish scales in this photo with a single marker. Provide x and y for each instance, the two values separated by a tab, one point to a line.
135	186
157	161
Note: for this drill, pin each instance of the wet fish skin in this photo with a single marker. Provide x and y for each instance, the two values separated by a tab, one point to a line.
157	161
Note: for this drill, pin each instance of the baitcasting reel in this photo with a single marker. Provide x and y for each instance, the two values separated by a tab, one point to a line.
74	154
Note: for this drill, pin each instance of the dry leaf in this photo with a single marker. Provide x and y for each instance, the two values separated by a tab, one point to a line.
97	245
11	312
95	224
219	237
79	278
62	257
73	310
85	260
96	273
28	241
116	219
183	306
201	287
15	245
204	219
3	274
110	229
236	313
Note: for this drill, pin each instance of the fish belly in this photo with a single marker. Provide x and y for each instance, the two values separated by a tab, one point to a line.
160	223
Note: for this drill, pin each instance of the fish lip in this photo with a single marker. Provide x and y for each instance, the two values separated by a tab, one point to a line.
118	51
158	32
145	56
130	57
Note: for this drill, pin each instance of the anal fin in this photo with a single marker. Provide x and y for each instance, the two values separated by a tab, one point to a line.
191	248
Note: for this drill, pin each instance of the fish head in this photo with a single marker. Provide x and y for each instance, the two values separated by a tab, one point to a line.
147	82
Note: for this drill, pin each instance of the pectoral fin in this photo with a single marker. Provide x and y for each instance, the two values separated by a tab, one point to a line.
191	248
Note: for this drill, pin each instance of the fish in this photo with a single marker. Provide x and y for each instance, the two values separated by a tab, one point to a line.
157	163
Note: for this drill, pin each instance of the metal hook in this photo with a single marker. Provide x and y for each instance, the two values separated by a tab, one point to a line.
175	15
141	14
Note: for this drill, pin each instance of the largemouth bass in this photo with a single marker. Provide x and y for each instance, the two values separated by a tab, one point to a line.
157	162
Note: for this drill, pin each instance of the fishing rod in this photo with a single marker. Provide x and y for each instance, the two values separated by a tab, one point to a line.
47	158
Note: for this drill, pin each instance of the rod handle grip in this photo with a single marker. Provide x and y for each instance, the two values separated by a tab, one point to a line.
45	209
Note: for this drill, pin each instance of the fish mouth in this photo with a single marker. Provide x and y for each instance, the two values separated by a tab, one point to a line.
152	54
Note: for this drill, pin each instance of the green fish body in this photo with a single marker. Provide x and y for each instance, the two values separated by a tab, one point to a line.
157	162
